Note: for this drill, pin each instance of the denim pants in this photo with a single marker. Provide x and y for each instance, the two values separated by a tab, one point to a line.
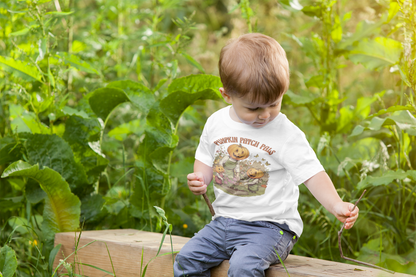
249	246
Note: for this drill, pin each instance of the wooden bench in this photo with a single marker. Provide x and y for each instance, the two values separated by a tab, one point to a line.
125	247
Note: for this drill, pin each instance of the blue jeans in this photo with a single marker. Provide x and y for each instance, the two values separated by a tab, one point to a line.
249	246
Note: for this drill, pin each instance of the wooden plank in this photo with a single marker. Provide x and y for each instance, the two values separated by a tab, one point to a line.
125	247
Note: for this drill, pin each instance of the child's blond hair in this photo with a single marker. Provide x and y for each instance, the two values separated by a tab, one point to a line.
254	65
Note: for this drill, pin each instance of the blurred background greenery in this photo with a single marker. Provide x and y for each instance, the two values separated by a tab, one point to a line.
353	81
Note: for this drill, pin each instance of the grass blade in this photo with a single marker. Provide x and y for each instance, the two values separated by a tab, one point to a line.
96	267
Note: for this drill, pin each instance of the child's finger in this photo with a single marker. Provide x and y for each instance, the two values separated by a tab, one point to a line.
191	176
198	190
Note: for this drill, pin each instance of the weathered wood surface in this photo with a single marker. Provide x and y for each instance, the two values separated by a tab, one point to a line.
126	246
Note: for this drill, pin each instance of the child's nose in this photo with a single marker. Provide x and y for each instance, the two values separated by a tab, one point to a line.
264	114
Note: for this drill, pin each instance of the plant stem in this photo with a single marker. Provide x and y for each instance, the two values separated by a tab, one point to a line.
340	247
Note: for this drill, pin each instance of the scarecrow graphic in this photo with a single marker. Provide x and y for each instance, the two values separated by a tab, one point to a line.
237	174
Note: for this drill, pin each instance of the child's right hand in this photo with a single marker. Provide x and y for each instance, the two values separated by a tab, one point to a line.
196	183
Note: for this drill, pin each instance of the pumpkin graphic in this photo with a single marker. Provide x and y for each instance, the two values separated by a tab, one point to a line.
255	173
238	152
219	169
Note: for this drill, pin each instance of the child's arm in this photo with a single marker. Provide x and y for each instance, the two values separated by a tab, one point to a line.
202	176
321	186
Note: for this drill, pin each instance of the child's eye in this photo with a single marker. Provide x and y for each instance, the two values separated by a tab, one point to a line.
252	109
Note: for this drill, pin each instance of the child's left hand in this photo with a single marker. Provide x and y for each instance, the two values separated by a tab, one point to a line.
342	211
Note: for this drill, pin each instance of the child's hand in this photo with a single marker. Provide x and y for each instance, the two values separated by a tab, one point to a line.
196	183
342	211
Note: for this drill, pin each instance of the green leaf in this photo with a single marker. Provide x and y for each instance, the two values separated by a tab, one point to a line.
161	213
185	91
364	29
121	132
20	32
386	178
139	95
393	10
159	131
336	33
8	261
58	14
160	157
11	203
377	53
52	256
104	100
34	193
316	81
19	224
21	69
11	152
193	62
77	63
346	116
28	122
54	152
304	98
92	207
83	136
312	11
404	120
392	109
70	111
62	208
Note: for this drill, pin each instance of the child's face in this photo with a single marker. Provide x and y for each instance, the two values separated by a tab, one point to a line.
254	114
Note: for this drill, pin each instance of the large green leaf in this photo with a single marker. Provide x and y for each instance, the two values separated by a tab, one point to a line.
26	71
92	208
104	100
403	119
62	208
77	63
83	135
185	91
377	53
139	95
10	152
54	152
8	261
159	131
386	178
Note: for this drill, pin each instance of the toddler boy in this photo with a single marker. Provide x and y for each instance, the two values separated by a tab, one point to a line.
257	159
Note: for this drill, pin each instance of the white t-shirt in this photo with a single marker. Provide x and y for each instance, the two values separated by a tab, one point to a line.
257	171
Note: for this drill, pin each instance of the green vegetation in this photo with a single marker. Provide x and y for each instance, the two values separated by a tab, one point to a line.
102	104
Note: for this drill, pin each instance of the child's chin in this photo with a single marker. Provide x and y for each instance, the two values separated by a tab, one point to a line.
259	125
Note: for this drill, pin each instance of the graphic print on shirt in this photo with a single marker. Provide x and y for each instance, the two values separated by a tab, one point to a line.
237	172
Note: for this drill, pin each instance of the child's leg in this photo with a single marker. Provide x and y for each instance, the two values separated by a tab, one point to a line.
255	246
204	251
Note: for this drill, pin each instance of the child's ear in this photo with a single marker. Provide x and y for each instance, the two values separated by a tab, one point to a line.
225	95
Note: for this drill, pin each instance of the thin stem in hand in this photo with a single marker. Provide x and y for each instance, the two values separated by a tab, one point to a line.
211	209
340	248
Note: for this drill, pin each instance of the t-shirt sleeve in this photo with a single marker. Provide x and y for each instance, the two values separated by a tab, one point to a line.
299	158
204	153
